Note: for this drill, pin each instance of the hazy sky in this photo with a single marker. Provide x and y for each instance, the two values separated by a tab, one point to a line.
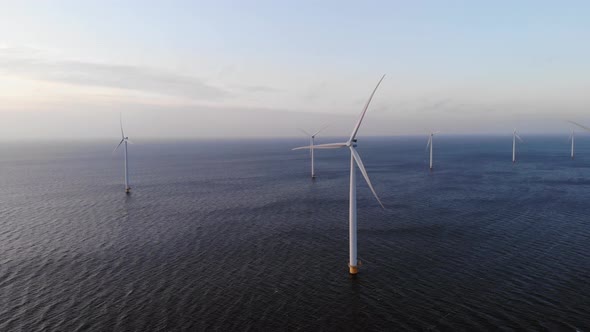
265	68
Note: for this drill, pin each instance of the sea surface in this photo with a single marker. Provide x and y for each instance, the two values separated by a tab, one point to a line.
232	235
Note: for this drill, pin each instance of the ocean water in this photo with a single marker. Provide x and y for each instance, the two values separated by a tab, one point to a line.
233	235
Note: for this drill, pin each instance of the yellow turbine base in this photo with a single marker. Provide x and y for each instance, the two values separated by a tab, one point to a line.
353	269
128	190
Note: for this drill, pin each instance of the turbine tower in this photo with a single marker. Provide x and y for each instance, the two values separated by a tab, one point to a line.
311	147
355	159
429	144
514	137
124	139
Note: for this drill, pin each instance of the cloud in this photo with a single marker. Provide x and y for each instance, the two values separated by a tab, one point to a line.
315	92
258	89
33	64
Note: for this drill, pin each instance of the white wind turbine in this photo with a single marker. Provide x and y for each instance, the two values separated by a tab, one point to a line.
429	144
354	159
514	137
311	147
124	139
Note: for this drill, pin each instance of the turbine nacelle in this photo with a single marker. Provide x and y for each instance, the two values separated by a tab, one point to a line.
430	137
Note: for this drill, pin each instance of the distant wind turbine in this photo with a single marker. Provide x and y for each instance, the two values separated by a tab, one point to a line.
514	137
429	144
354	159
124	139
311	147
581	126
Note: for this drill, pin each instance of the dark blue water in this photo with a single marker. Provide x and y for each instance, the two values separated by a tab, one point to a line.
233	235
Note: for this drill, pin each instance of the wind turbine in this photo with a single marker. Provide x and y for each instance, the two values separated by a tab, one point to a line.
514	137
572	138
429	144
581	126
355	159
311	146
124	139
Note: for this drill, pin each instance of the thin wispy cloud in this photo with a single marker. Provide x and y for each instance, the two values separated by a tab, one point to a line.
33	65
257	89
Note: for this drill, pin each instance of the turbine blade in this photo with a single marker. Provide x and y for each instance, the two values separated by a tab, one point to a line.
322	146
358	124
428	143
121	122
520	139
118	145
359	162
304	132
579	125
317	132
129	141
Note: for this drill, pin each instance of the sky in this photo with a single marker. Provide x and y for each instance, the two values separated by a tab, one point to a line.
229	69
